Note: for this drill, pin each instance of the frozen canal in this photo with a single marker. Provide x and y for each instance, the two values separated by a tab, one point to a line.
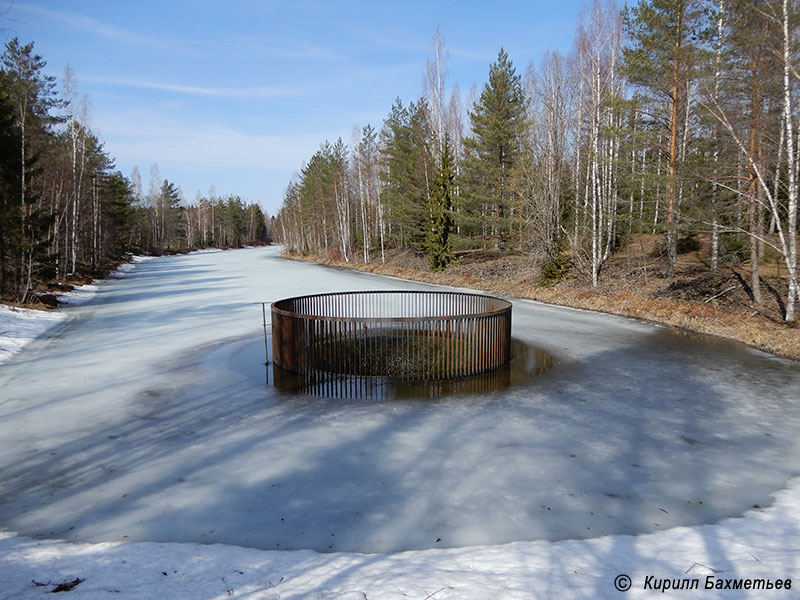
145	416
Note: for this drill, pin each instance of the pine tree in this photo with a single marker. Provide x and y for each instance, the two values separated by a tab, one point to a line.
661	61
753	89
499	120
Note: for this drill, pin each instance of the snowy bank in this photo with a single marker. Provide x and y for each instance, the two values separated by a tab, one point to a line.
18	326
760	549
83	293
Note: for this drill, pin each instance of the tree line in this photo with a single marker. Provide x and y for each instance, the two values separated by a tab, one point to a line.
670	117
66	209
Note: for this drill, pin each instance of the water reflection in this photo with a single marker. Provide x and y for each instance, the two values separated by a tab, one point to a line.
526	362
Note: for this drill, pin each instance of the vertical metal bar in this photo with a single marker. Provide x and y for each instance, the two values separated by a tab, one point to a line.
443	354
495	341
434	346
427	345
344	335
440	347
330	343
472	333
491	342
441	344
468	341
451	348
476	345
485	345
415	348
457	346
264	323
479	345
430	358
482	345
406	346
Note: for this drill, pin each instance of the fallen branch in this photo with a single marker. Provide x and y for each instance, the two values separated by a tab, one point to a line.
722	293
67	585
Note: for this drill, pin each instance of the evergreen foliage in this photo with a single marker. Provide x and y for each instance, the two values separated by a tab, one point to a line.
499	122
407	167
441	210
64	208
661	60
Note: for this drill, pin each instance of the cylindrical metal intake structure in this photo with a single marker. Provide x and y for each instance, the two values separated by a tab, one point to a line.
400	334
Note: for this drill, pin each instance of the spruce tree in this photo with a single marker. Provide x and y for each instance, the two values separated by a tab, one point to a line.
499	120
172	232
120	212
32	95
440	209
408	165
10	215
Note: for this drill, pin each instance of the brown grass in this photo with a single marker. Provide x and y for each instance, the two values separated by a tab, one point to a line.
650	301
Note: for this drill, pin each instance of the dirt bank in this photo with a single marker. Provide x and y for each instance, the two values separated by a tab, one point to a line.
633	284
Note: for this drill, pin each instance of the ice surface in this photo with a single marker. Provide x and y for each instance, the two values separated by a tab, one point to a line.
743	386
146	417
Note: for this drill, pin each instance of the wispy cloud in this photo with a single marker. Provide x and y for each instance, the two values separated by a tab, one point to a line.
91	25
267	91
141	137
257	48
305	88
239	46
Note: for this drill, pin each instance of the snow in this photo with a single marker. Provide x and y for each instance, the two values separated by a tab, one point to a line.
163	453
18	326
764	545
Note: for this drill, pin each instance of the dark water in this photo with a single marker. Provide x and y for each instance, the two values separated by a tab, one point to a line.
526	362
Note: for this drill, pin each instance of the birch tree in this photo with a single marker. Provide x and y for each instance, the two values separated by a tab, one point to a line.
551	107
599	49
365	167
436	77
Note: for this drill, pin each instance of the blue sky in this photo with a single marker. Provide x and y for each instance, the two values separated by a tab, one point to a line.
238	94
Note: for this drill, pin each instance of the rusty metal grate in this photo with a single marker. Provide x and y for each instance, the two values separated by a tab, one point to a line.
406	335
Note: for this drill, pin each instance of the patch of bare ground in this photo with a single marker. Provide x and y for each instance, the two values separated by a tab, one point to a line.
634	283
45	295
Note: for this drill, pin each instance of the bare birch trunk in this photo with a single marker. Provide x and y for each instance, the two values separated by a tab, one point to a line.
715	225
791	254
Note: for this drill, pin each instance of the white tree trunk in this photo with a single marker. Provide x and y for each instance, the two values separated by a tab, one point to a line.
791	253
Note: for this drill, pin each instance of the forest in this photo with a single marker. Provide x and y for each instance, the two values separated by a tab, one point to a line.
67	212
673	119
